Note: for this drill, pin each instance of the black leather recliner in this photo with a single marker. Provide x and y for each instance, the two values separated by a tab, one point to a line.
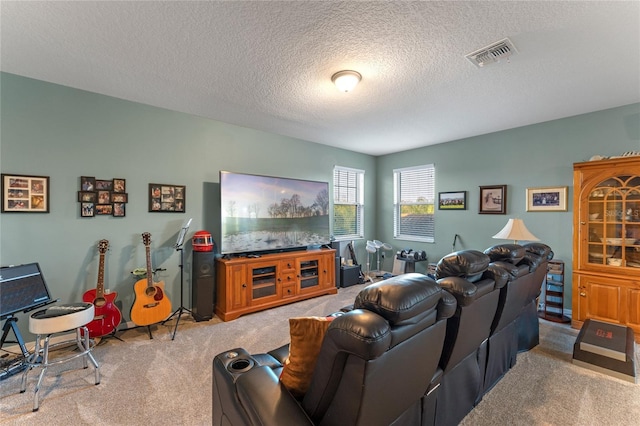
375	364
538	256
503	341
468	275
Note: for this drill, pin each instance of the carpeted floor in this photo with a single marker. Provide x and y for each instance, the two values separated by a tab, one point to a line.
167	382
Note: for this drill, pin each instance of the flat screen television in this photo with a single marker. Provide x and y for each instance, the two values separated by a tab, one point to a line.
22	288
271	214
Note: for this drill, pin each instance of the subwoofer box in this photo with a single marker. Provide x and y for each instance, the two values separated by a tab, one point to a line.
349	275
203	288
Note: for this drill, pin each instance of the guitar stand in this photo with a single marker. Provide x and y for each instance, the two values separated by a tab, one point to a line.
181	309
112	334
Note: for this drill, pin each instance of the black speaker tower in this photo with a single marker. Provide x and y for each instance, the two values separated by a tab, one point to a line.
203	289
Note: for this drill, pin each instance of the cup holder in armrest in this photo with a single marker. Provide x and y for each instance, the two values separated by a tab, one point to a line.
239	365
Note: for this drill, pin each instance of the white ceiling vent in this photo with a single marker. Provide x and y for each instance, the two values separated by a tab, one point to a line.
495	52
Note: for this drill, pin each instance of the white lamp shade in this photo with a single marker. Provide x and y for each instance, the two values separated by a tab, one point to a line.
346	81
516	231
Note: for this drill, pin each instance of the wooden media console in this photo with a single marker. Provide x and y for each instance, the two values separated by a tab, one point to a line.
250	284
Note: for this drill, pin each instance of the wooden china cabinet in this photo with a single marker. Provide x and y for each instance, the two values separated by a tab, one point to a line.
606	242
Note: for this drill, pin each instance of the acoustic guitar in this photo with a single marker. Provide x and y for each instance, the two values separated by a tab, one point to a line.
151	304
107	316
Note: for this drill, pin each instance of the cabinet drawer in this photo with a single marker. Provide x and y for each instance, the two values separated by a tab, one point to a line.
288	266
288	290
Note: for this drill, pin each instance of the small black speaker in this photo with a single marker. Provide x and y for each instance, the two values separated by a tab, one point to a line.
203	285
336	245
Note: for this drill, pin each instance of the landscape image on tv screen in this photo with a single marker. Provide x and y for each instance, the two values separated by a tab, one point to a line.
264	213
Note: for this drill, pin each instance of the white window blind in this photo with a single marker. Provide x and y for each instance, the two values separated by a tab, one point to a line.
348	203
414	203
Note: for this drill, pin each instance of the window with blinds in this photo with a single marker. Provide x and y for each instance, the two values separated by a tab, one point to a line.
414	203
348	203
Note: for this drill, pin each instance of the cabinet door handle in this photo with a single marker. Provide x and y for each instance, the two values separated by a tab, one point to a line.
244	285
583	294
583	223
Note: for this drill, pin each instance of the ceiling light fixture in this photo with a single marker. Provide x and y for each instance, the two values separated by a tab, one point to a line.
346	80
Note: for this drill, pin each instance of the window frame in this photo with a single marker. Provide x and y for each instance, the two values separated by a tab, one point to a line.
356	199
398	193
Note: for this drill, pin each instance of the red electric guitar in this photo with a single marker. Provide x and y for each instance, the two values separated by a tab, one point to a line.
107	316
152	304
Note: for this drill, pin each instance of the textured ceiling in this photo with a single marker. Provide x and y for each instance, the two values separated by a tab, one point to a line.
268	65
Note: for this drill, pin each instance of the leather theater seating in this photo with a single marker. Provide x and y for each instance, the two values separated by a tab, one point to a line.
538	256
375	364
409	351
503	340
469	277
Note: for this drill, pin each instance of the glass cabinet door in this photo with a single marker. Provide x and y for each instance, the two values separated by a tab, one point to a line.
614	222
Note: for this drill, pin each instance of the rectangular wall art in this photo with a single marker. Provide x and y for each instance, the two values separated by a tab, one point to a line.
25	194
165	198
547	199
493	199
452	200
102	197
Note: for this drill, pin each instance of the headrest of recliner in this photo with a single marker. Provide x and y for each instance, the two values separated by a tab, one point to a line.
540	249
512	253
399	298
468	264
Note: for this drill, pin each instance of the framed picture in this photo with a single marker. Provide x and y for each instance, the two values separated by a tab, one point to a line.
167	198
117	197
104	185
493	199
87	209
87	183
87	196
547	199
119	185
452	200
104	197
25	194
104	209
119	209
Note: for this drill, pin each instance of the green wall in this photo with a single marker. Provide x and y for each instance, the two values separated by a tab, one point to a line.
65	133
533	156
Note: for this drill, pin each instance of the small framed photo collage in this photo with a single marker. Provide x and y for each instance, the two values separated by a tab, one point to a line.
102	197
25	194
165	198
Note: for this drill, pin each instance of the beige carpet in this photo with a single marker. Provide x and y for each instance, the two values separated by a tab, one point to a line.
167	382
545	388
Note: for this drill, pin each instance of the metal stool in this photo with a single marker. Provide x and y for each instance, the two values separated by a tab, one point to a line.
53	320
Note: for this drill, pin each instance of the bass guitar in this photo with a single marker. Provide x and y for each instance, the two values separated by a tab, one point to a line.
151	304
107	315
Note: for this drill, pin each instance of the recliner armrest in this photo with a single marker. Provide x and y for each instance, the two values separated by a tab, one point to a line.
497	274
464	291
281	353
447	306
266	401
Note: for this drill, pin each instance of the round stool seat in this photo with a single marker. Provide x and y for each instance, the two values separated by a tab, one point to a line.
61	318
